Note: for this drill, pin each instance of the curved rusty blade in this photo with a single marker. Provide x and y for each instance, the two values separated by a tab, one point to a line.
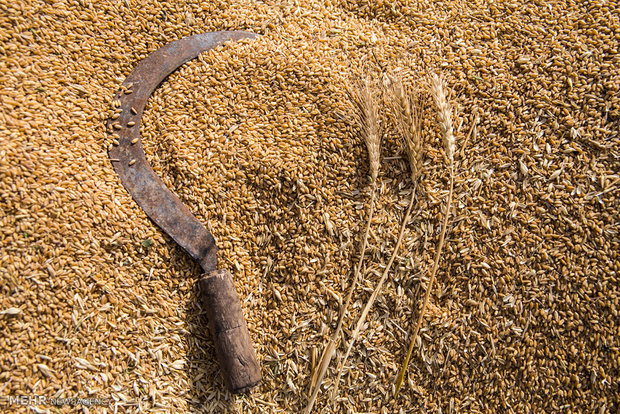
129	161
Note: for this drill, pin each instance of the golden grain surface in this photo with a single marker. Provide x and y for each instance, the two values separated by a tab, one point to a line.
256	137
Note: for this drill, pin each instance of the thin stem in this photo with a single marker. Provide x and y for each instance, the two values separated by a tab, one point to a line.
418	324
374	294
328	353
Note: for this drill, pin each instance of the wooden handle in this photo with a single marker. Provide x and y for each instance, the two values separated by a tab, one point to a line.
233	345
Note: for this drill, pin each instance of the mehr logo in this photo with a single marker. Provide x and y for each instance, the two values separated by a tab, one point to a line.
27	400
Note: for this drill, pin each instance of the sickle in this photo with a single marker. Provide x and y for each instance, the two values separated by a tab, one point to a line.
232	340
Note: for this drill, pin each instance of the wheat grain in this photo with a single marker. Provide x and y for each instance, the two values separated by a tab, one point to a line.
533	263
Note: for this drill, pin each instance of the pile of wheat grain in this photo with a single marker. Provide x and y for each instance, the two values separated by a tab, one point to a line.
258	139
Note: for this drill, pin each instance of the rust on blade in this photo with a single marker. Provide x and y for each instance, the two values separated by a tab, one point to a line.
128	158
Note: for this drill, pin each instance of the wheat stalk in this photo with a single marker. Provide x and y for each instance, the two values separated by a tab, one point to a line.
406	108
365	106
373	297
444	116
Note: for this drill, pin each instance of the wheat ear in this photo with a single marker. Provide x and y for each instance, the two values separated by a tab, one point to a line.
365	105
444	116
406	108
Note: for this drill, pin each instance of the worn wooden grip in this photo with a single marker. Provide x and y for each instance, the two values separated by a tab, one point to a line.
233	345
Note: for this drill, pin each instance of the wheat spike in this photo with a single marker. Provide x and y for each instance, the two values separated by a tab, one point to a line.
444	114
407	114
366	111
366	115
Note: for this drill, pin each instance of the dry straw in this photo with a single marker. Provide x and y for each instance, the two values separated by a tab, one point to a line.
444	116
363	98
406	107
